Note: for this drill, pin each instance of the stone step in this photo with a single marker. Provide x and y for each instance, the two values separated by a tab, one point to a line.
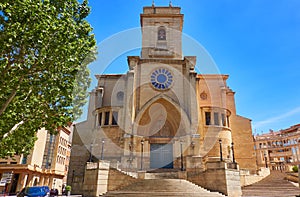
274	185
163	187
148	194
162	175
131	174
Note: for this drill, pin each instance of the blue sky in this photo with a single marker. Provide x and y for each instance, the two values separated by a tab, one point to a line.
256	42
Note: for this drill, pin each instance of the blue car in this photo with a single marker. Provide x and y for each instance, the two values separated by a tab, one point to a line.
35	191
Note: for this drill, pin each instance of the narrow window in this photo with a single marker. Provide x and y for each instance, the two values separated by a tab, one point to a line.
114	118
223	120
216	118
161	34
100	118
207	118
106	121
228	125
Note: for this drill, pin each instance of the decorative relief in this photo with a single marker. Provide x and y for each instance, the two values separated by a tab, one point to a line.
203	95
120	96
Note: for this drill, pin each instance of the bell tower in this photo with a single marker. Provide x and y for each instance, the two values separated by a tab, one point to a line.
161	32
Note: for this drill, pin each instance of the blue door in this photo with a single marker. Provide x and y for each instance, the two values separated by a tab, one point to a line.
161	156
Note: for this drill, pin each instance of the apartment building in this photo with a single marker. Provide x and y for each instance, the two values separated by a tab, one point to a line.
46	165
279	150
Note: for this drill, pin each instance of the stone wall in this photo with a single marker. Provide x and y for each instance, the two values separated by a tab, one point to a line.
248	179
233	182
219	178
79	156
243	143
96	178
99	178
117	180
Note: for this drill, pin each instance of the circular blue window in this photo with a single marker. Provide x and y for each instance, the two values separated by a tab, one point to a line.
161	79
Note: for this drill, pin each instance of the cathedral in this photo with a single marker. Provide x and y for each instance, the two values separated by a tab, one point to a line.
162	116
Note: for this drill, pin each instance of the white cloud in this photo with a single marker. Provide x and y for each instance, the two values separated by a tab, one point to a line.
272	120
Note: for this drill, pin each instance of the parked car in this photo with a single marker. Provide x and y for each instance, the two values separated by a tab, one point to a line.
35	191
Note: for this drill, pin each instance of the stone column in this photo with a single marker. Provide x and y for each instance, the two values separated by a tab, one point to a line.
96	178
127	158
24	178
42	179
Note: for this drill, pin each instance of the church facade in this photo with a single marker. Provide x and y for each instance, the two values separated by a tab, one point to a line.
161	115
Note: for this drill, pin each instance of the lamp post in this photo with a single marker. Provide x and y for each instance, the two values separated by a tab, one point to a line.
221	154
102	149
193	147
266	162
232	149
129	146
91	155
130	155
130	151
142	153
181	155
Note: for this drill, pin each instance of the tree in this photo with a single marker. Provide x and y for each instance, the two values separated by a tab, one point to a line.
46	46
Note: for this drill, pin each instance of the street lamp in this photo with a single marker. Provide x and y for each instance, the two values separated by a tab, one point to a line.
181	155
142	153
193	147
130	150
129	146
130	155
233	159
91	151
266	162
102	149
193	144
221	154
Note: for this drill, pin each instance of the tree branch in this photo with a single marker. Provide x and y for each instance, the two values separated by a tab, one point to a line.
13	129
11	96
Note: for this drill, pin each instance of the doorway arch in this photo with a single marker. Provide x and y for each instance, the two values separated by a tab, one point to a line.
161	123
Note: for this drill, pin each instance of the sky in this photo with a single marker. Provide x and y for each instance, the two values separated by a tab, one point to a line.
255	42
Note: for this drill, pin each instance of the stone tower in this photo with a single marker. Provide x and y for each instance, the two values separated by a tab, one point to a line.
161	32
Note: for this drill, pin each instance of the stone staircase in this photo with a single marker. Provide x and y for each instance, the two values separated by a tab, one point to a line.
274	185
163	187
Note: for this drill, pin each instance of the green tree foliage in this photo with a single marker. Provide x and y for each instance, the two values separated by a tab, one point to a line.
68	188
46	46
295	168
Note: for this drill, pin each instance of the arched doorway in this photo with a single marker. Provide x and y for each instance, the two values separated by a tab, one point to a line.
161	124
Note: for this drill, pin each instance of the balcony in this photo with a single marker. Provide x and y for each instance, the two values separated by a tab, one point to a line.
281	154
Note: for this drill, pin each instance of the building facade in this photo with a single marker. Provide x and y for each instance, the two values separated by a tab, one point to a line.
161	114
46	165
279	150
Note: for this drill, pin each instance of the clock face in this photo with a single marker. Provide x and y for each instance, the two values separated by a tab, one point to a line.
161	79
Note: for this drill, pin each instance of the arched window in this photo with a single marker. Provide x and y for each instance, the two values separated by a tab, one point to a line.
161	34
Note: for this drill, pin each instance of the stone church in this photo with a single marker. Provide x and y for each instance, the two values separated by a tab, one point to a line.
161	117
